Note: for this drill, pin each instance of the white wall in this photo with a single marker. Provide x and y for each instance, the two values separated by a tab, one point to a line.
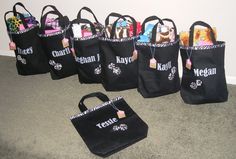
221	14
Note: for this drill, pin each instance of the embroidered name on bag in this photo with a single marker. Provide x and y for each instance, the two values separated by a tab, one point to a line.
124	60
90	59
63	52
27	51
164	67
205	72
107	123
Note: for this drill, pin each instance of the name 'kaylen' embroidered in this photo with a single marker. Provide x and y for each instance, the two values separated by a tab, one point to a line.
205	72
124	60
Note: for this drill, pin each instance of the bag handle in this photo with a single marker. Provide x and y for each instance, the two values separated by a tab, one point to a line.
154	30
148	19
133	23
113	14
19	4
78	21
21	18
43	19
50	6
99	95
201	23
88	10
173	23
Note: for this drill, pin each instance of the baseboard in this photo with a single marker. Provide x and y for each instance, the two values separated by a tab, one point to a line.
7	53
229	79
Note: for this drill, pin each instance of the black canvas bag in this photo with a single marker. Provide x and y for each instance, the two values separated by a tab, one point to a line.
61	60
164	79
87	51
30	57
205	81
103	131
119	71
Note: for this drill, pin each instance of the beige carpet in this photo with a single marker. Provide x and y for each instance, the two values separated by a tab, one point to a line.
35	111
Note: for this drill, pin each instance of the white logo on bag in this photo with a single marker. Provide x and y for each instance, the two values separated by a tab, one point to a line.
90	59
116	70
57	66
164	67
172	74
27	51
107	123
205	72
124	60
22	60
59	53
196	84
121	127
98	70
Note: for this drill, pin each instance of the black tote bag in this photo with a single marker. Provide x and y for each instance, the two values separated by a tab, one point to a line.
87	51
163	78
104	130
30	57
119	69
60	58
205	81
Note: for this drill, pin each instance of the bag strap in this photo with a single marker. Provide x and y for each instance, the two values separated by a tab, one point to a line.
19	4
173	23
43	19
88	10
113	14
133	23
148	19
49	6
78	21
99	95
201	23
21	18
154	30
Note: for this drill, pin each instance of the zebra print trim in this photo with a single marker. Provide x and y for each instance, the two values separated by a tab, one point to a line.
88	37
157	45
25	30
56	33
96	108
118	40
206	47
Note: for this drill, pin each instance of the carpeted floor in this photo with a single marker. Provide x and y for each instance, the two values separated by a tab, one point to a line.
35	111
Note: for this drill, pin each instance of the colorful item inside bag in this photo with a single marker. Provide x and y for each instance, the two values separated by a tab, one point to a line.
84	30
52	26
124	29
15	23
164	34
201	37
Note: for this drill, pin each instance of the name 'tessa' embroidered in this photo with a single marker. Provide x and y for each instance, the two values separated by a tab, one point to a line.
25	51
63	52
205	72
107	123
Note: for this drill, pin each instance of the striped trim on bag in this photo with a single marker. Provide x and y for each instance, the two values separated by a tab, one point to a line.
206	47
157	45
118	40
56	33
25	30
